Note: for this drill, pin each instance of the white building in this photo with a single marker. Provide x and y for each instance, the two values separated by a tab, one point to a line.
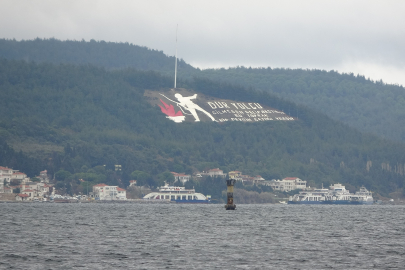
181	177
43	175
132	183
38	189
214	173
287	184
237	175
20	176
258	179
5	174
104	192
21	197
29	194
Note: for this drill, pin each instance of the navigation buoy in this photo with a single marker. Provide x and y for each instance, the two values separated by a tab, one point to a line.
230	183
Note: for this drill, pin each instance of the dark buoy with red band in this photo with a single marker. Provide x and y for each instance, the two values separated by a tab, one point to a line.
230	183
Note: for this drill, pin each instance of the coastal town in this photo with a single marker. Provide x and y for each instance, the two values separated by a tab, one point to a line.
17	186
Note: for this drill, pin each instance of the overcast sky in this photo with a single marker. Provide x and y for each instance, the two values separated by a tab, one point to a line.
365	37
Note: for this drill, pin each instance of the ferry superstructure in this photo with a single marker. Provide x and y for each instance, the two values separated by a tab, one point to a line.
363	196
316	196
338	194
178	195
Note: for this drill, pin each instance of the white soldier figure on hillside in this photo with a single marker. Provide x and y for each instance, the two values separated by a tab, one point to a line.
187	104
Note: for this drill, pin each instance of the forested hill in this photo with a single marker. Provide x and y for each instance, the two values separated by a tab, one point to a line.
76	119
366	105
109	55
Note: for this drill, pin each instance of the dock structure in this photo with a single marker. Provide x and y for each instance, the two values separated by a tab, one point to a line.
230	205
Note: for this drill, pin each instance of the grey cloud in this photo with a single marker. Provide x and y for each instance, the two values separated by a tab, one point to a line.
314	34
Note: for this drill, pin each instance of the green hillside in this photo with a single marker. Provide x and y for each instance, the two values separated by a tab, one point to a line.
80	121
366	105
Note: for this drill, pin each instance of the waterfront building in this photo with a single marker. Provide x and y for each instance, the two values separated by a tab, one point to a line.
21	197
287	184
104	192
39	189
30	194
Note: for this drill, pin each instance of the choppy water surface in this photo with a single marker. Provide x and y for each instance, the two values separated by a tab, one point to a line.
170	236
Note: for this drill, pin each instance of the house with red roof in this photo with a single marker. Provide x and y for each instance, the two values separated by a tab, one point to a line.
132	183
30	194
21	197
40	190
121	193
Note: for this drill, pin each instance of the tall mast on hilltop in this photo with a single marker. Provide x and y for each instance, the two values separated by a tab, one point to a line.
175	65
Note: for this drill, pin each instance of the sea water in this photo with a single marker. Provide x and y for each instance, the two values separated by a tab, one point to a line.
173	236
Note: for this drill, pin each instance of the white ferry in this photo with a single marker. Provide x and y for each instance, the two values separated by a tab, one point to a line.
363	196
336	194
339	195
178	195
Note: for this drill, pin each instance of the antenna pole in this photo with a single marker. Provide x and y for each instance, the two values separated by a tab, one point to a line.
175	66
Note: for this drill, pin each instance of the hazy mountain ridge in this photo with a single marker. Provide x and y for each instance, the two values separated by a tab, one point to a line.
366	105
109	55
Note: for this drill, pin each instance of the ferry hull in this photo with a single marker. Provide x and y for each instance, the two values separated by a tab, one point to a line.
344	202
304	202
191	201
331	202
